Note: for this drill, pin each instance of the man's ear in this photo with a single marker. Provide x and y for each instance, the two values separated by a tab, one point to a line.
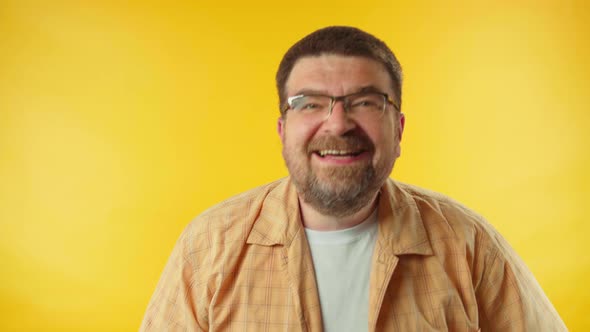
400	130
281	129
401	125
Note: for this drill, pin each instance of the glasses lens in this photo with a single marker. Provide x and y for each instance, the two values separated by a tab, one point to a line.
311	104
366	103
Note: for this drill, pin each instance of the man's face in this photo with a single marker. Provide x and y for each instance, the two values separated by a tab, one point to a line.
339	163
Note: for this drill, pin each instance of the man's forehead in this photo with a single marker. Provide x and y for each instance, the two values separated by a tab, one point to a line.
325	72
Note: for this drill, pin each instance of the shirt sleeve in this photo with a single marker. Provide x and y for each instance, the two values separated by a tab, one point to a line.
174	304
508	295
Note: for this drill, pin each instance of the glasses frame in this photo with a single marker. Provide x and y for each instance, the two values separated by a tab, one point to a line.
344	98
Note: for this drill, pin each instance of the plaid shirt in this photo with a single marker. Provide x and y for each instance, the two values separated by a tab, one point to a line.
245	265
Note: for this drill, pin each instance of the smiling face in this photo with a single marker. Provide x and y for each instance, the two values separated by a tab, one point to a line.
339	163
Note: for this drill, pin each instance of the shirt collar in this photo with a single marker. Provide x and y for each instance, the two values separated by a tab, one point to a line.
279	219
401	228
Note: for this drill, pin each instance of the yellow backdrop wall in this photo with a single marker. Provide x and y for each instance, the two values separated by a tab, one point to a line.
121	121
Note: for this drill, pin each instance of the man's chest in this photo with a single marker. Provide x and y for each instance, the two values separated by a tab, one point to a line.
274	288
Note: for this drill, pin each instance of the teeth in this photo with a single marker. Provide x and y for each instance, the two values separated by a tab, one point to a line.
334	152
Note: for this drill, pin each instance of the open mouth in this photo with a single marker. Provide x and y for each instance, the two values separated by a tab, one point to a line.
338	153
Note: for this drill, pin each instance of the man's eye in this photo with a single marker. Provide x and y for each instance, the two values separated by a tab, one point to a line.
365	103
310	106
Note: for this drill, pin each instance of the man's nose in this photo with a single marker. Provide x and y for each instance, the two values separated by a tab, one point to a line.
338	121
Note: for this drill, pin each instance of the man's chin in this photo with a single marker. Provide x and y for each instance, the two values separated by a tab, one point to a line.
339	186
338	197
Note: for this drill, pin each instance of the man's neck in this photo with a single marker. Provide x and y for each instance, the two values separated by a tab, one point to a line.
315	220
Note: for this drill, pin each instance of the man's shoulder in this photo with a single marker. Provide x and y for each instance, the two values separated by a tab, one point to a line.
241	208
229	222
429	198
440	212
242	203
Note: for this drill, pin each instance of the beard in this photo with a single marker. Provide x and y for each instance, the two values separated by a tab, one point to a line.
340	190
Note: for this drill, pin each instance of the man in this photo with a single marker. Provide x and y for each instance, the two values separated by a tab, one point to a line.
338	246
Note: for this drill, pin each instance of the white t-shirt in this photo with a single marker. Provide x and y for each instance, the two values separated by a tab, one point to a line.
342	263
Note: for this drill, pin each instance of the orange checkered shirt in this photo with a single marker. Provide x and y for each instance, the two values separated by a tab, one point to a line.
245	265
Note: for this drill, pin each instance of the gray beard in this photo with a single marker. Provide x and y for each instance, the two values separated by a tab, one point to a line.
343	192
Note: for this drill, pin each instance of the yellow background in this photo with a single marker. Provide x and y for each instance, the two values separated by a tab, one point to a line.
121	121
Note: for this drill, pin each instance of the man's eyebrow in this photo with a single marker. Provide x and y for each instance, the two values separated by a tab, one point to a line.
368	88
310	92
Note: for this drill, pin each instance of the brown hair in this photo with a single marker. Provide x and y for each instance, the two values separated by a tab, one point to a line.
340	40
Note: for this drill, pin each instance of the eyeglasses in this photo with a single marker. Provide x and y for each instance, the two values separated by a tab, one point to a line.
360	103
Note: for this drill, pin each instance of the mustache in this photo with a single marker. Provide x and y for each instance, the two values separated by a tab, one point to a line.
351	142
